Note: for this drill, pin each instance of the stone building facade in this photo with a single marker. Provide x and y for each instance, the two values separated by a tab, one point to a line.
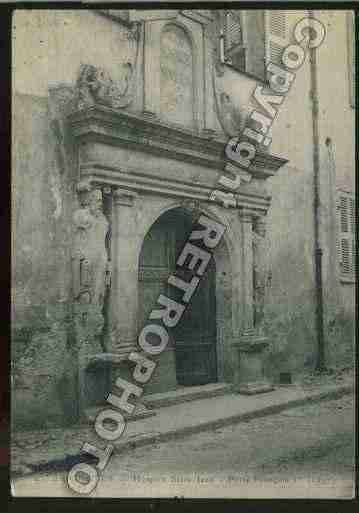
120	120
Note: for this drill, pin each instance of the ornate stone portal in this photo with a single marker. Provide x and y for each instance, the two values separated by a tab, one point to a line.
109	144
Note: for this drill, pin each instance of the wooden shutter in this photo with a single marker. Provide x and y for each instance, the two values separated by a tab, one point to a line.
233	35
276	35
234	49
346	235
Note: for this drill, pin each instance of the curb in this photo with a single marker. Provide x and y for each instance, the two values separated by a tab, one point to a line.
69	460
234	419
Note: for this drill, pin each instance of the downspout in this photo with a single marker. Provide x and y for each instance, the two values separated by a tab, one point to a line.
333	278
319	323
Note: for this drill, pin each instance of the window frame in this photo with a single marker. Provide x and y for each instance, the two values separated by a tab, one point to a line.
258	77
269	36
228	53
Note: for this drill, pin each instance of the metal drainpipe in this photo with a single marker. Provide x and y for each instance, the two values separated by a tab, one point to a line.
319	324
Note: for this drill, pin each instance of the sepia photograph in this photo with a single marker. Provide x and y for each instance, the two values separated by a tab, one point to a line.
183	252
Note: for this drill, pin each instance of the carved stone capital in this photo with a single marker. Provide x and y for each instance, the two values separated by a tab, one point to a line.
192	205
259	223
246	216
123	197
226	199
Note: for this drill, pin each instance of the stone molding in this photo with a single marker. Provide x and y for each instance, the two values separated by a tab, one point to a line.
121	128
247	215
124	197
131	181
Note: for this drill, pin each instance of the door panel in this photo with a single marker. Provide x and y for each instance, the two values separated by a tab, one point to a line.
155	266
195	335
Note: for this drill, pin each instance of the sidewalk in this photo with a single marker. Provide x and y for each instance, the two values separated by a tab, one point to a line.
59	449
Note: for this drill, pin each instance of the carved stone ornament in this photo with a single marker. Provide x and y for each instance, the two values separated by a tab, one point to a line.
95	87
89	267
232	118
192	205
226	199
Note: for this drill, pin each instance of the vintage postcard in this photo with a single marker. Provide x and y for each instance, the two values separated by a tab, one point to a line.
183	253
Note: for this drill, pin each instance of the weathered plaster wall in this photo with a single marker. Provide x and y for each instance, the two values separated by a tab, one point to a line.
40	261
337	122
40	198
49	46
290	219
48	49
290	310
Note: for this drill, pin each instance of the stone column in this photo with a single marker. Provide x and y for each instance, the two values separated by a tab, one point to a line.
124	310
247	269
249	378
124	291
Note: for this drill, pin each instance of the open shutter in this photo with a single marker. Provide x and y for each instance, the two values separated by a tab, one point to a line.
346	235
276	35
233	35
234	49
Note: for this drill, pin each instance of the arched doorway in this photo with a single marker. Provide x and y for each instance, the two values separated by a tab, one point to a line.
194	337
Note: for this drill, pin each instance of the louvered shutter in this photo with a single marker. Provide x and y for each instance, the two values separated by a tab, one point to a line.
233	30
234	50
276	35
346	235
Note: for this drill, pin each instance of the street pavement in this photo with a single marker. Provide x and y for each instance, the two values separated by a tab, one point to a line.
302	452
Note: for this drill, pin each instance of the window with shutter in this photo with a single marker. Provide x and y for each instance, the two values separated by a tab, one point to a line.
234	48
346	235
276	35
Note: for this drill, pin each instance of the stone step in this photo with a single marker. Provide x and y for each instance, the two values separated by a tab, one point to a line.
141	411
185	394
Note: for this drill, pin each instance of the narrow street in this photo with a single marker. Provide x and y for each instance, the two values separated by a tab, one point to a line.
306	451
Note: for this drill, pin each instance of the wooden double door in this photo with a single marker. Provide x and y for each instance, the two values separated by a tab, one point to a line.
194	337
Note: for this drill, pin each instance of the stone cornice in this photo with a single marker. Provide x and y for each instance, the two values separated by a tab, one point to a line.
132	181
149	133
